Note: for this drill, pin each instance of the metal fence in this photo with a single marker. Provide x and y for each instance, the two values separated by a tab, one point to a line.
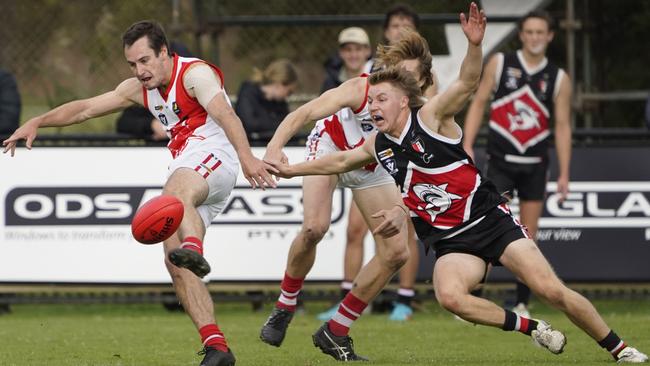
63	50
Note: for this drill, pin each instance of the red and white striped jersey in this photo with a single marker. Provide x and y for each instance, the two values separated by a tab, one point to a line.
349	128
183	116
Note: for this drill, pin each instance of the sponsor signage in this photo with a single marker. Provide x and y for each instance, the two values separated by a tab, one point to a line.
70	216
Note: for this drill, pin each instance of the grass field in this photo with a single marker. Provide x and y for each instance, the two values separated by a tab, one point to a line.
120	335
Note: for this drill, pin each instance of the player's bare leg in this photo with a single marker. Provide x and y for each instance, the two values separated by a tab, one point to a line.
407	275
332	337
197	302
353	255
192	189
525	260
529	214
356	233
456	274
317	206
391	253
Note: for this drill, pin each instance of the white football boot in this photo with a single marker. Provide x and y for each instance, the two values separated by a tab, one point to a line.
549	338
631	355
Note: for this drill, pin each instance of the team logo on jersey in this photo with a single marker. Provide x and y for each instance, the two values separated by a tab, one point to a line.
524	118
158	108
385	154
521	118
543	86
442	195
418	145
163	119
436	199
175	108
513	75
391	166
367	127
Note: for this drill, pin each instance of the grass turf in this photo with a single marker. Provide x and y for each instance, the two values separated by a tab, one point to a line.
120	335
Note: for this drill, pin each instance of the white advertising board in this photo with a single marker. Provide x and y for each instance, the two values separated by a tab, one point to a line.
65	217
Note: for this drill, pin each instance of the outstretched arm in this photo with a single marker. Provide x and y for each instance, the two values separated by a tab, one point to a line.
452	100
126	94
474	116
335	163
349	94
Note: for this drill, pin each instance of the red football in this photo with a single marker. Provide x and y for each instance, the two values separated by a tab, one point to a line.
157	219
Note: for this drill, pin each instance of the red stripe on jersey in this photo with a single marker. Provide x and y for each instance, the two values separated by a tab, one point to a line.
216	165
145	99
207	158
206	174
165	94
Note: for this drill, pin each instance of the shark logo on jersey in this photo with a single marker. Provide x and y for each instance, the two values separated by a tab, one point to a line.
525	119
436	197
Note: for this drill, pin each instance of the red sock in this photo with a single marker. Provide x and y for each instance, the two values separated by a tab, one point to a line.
290	288
211	336
193	243
349	310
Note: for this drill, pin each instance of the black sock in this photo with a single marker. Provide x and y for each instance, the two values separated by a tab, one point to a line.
518	323
523	294
405	295
612	343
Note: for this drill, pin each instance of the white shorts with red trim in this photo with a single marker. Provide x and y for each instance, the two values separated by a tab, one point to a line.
320	144
216	166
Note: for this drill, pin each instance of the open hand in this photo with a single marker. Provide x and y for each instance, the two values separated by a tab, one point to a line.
258	173
26	132
474	27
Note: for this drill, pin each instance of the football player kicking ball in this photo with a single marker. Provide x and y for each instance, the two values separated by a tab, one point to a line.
207	142
455	211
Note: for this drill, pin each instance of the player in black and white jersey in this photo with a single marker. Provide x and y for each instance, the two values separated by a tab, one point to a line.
529	92
454	209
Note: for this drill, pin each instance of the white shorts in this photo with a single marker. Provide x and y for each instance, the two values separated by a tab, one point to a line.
320	144
217	166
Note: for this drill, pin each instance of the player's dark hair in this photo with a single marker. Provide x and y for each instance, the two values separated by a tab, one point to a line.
411	46
401	79
146	28
402	10
541	14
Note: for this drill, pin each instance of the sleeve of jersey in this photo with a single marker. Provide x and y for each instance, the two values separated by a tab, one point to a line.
203	81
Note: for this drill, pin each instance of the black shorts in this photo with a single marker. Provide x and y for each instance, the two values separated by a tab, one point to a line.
529	180
487	239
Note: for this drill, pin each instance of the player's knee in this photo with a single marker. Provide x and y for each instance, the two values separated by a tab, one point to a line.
396	257
450	300
314	233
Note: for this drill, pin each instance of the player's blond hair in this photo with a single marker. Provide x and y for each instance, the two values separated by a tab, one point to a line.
401	79
412	46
